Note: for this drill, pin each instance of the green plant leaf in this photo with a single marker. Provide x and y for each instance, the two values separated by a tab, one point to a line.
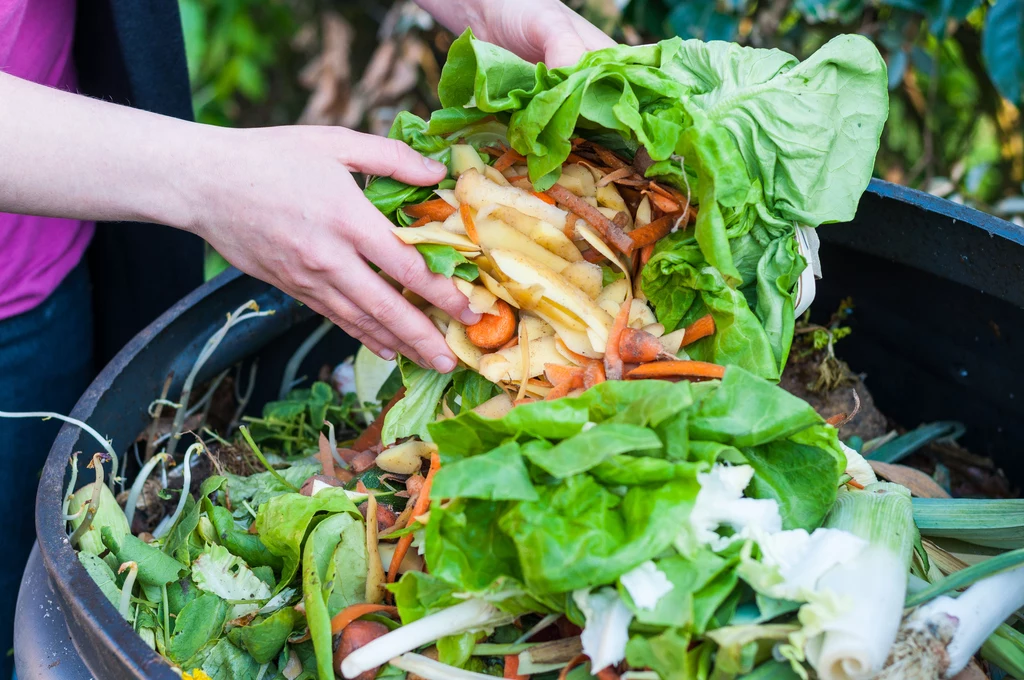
497	475
198	622
1002	47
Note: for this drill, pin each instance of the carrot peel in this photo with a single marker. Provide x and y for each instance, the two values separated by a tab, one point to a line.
612	358
468	223
356	611
422	503
676	369
436	209
701	328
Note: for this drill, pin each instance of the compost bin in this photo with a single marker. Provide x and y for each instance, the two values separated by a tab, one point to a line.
939	320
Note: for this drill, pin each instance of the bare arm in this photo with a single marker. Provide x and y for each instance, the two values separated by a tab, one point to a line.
279	203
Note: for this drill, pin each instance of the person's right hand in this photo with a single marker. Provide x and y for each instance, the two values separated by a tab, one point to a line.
281	204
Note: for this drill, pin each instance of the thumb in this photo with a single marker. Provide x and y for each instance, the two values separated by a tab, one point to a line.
564	49
373	155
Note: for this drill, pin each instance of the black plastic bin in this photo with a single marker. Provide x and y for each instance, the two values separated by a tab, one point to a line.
938	331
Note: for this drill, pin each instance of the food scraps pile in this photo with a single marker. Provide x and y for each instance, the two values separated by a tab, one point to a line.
611	484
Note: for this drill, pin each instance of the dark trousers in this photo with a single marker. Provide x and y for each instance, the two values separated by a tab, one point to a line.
45	365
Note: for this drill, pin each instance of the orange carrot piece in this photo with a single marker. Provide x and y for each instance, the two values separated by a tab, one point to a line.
664	203
467	221
594	217
676	369
593	255
524	400
558	374
493	330
511	670
835	420
508	159
421	505
436	209
511	343
569	229
645	254
326	456
855	484
701	328
578	358
421	222
355	611
639	347
544	197
371	435
540	382
593	374
612	359
576	661
566	387
655	231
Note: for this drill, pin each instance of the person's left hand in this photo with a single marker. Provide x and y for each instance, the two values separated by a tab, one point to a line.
536	30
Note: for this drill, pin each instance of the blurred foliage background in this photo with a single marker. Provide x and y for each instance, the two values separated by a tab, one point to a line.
956	69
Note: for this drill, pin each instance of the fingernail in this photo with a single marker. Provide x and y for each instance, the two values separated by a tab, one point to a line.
469	318
443	364
386	354
433	165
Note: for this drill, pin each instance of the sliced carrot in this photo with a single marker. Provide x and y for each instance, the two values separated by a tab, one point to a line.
593	374
467	221
855	484
371	435
557	373
655	231
496	151
421	505
493	330
594	217
356	611
593	255
421	222
639	347
645	254
508	159
612	359
676	369
701	328
436	209
544	197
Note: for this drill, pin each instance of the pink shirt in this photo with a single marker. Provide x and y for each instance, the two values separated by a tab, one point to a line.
36	253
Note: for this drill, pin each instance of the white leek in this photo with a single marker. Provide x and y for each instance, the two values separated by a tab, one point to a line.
968	620
428	669
646	585
854	644
720	502
467	616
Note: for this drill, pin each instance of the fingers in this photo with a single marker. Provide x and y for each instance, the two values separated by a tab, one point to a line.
593	37
566	50
347	316
386	306
404	264
384	157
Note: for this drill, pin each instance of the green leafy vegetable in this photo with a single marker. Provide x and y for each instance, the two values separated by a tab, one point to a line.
447	261
199	622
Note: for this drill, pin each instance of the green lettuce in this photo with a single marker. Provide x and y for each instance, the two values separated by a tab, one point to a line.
760	141
571	494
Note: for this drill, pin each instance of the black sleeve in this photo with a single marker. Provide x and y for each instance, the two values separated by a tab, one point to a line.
132	52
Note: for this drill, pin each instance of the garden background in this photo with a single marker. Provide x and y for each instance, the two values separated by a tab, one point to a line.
956	70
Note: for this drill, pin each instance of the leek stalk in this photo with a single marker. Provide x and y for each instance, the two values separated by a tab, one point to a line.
856	642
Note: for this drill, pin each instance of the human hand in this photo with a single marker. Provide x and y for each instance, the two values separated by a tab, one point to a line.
281	204
536	30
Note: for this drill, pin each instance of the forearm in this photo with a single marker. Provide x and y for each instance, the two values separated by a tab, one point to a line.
66	155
